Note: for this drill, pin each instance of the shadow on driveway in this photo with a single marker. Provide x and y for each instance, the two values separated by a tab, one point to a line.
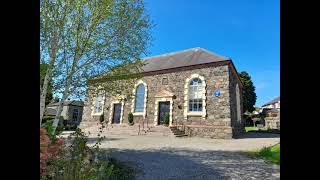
194	164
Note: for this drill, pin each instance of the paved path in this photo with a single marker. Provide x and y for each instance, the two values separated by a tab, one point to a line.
160	155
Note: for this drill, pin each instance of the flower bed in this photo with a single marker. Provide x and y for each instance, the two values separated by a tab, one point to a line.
48	149
77	160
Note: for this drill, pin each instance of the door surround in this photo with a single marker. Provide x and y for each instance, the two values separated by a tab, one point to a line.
112	109
116	113
156	109
167	109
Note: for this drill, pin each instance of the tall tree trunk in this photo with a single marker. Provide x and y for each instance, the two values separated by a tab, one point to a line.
47	77
65	94
61	103
43	95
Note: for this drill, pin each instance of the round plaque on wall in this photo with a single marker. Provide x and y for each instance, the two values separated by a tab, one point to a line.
217	93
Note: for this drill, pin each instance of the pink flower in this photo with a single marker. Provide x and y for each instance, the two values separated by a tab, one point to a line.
43	156
44	138
60	141
54	149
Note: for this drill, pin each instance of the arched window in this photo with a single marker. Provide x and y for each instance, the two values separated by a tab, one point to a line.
99	104
195	95
139	99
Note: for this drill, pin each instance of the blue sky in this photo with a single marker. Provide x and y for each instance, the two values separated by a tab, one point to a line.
247	31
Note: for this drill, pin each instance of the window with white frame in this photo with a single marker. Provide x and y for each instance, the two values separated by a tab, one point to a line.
139	99
75	114
98	104
195	95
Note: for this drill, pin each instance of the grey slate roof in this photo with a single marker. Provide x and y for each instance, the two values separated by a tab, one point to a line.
183	58
50	112
271	110
67	103
273	101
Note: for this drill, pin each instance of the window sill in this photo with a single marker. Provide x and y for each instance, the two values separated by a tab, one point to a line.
96	114
138	113
195	113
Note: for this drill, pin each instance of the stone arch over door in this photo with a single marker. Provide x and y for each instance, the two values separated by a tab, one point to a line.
112	109
163	96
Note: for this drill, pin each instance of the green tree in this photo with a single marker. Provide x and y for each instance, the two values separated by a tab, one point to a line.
83	39
49	95
55	100
248	93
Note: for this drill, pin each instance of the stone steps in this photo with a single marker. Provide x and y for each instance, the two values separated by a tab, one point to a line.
177	133
182	135
118	130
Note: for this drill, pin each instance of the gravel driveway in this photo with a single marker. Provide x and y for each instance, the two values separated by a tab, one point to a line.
159	155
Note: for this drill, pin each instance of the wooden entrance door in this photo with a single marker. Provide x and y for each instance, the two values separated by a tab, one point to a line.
116	113
164	109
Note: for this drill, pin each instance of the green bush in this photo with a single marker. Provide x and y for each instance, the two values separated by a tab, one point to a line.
50	129
271	154
48	125
166	119
130	118
47	118
78	161
102	118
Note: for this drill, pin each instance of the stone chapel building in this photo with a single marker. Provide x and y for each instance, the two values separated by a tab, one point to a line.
198	89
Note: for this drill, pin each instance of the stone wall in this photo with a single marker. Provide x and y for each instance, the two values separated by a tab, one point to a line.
272	121
87	119
219	110
215	132
236	123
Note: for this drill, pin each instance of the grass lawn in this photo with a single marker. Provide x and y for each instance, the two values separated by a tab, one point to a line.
251	128
271	154
256	129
